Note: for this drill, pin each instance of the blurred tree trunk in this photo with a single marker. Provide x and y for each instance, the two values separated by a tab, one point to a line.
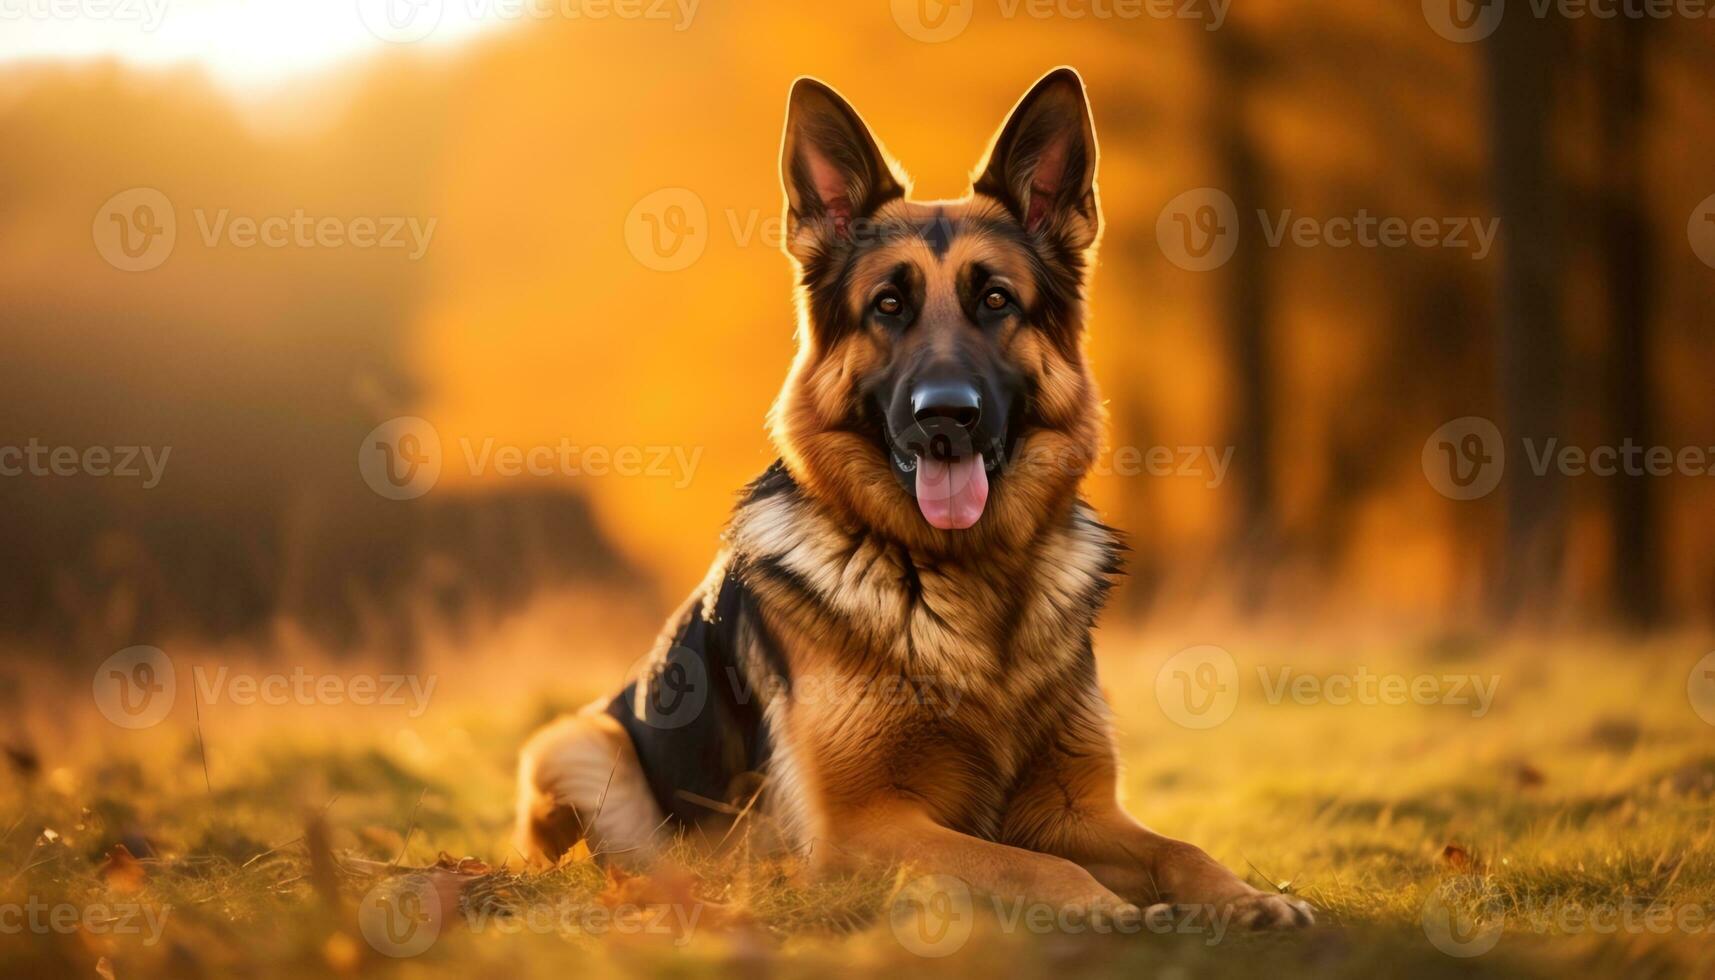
1245	312
1522	57
1623	248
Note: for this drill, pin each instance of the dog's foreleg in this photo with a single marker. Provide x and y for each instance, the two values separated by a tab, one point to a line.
1070	808
901	832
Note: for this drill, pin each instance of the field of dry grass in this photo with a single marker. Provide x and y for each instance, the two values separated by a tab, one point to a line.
1539	808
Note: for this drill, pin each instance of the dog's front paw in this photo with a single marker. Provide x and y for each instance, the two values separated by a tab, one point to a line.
1265	911
1253	911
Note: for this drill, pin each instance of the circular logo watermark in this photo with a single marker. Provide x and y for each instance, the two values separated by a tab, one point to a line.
932	21
1198	688
1199	230
400	459
1465	459
671	691
135	230
401	917
1459	920
135	687
401	21
668	230
1701	231
934	438
1464	21
1700	688
933	916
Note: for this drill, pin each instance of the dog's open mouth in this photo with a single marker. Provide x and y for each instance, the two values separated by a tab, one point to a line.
951	491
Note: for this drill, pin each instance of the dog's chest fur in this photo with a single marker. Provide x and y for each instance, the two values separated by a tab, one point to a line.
941	679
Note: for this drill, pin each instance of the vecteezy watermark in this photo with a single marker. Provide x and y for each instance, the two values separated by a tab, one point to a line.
1466	916
136	688
671	689
1286	683
675	921
935	915
1199	231
1700	688
668	230
137	230
42	918
401	917
404	916
1207	463
1467	21
305	688
144	463
1199	688
146	14
934	21
1466	458
1464	21
1365	230
1629	458
401	459
408	21
1701	231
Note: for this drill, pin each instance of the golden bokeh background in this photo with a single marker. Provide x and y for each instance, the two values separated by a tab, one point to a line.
535	146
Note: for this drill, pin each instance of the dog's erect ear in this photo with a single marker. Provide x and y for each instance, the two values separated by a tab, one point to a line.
833	170
1043	161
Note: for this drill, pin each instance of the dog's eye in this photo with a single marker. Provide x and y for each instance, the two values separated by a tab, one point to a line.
997	299
889	305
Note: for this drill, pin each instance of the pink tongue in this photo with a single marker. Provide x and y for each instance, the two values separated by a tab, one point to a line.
952	494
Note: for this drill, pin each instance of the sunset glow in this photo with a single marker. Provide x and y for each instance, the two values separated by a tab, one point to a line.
242	43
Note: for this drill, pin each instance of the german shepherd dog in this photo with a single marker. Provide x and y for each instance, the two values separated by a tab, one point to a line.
891	656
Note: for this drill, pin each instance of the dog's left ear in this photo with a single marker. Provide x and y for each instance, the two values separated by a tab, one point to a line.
1042	163
833	170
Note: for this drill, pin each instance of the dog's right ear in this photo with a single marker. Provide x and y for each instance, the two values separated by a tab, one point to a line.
834	171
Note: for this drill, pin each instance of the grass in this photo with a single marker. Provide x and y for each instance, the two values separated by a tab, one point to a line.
1585	788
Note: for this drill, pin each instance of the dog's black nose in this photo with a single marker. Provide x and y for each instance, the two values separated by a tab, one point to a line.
954	400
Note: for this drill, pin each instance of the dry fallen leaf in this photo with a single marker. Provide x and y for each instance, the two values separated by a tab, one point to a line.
463	866
1460	859
449	878
669	896
667	883
577	854
122	871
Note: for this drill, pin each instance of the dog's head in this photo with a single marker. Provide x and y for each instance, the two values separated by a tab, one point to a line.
941	391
